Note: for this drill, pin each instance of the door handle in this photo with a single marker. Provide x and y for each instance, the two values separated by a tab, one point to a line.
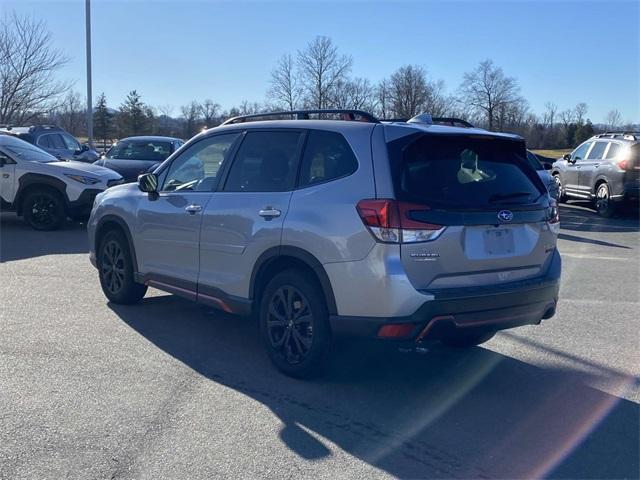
577	166
193	209
597	165
269	212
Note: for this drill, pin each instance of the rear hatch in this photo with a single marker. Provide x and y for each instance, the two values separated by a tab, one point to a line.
490	208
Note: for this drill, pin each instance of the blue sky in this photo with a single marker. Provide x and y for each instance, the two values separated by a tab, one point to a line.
176	51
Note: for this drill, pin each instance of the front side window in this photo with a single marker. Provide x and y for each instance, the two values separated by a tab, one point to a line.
597	151
140	150
196	168
581	152
266	162
463	172
327	156
70	142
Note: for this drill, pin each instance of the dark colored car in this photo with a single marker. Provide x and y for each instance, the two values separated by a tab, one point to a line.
604	169
54	140
133	156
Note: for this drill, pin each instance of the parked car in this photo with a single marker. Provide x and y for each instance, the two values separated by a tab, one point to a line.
133	156
44	189
54	140
604	169
405	232
543	169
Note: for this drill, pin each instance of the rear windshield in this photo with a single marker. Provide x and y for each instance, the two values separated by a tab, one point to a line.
463	171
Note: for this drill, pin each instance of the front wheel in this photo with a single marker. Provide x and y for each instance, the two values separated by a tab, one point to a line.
468	340
115	267
294	322
604	205
44	209
561	195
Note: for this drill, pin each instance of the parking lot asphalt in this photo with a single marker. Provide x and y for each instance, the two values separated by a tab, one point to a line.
170	389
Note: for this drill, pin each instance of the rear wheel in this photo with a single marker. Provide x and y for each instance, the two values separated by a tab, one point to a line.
294	323
115	267
604	205
468	340
44	209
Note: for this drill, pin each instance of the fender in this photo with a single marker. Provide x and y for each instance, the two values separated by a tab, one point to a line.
29	179
305	257
127	233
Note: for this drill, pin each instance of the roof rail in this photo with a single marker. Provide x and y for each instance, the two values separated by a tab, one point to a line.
626	135
352	115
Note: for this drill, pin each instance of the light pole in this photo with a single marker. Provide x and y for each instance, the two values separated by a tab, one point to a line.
87	11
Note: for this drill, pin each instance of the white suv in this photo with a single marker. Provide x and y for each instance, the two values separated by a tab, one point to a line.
44	189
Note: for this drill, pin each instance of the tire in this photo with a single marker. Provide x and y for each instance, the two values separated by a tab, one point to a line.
297	343
44	209
603	204
561	195
115	269
469	340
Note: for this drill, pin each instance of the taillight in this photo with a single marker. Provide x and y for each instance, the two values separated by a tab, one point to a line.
389	221
624	164
553	218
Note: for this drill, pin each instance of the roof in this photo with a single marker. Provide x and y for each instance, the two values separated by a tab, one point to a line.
149	138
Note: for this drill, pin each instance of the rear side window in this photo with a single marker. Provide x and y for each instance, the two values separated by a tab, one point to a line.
265	162
463	172
614	149
327	156
597	151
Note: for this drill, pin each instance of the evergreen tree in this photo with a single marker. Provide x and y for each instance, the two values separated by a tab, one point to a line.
134	116
103	121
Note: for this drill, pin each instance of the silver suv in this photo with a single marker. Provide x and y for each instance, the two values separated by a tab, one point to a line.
403	231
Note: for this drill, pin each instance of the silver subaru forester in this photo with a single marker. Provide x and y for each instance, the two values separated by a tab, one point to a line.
339	225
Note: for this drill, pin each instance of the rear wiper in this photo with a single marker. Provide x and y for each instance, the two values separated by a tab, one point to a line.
496	197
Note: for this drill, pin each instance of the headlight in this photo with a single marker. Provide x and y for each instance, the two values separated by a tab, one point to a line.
85	180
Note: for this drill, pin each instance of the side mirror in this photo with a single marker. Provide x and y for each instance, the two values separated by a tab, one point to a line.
567	156
148	183
84	147
547	165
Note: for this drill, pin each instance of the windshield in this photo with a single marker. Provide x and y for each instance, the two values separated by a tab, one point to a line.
463	171
140	150
25	151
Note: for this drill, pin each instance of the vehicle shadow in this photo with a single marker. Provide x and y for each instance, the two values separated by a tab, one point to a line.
445	414
579	216
19	241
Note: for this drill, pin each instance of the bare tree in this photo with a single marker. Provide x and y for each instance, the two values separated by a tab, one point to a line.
321	69
567	117
550	113
210	112
383	99
28	62
580	112
488	90
191	117
356	94
71	112
408	88
614	119
285	89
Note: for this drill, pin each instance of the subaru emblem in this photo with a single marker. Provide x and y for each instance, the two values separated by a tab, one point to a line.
505	215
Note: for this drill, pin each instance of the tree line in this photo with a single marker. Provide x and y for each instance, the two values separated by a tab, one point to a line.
318	76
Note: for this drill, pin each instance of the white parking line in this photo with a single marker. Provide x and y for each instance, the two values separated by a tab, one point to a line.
592	257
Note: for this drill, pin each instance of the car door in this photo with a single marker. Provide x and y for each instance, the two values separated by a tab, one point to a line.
168	226
7	178
53	143
571	174
245	216
590	165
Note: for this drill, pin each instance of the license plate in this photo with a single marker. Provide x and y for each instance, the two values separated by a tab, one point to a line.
498	241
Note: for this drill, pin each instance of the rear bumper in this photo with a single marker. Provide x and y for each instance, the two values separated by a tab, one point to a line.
469	310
